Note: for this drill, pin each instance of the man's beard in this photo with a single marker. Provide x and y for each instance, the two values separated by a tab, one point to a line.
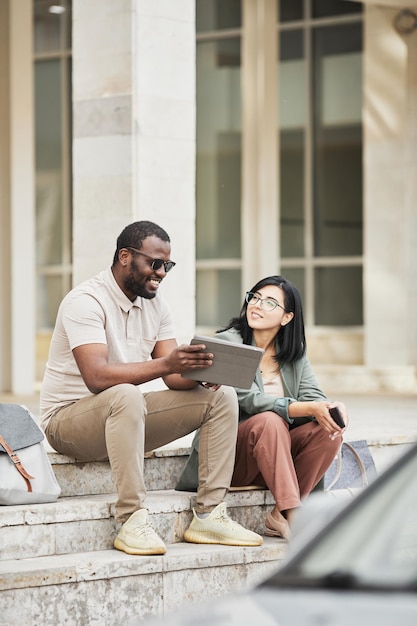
138	289
134	286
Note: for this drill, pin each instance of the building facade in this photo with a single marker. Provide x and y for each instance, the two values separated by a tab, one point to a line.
266	136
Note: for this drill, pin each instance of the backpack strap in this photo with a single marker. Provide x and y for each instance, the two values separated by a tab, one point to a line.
17	463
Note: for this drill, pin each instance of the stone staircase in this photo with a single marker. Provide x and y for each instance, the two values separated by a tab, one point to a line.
58	565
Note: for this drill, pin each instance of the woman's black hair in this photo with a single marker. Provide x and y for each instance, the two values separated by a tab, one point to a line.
290	339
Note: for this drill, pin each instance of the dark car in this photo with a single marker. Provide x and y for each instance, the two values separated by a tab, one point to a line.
358	568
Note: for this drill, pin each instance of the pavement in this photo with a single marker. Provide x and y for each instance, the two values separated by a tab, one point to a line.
382	418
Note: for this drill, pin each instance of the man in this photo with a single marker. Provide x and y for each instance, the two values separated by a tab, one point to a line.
114	332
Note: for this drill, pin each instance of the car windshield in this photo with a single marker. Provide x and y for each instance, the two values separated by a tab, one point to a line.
374	543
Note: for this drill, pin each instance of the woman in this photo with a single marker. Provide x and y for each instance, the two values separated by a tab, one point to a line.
287	438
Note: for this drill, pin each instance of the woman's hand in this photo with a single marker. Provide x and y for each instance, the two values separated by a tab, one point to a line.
344	415
320	411
324	418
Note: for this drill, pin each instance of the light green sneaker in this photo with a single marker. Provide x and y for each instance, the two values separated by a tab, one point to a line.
219	528
136	536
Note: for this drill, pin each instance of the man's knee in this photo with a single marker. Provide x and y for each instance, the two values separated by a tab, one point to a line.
128	400
228	399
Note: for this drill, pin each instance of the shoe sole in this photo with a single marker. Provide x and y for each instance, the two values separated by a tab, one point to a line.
197	537
120	545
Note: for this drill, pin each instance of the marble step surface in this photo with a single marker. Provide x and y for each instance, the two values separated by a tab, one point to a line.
109	587
86	523
162	469
57	565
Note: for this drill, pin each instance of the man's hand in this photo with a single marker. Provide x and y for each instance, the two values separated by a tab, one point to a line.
168	361
182	358
211	386
187	357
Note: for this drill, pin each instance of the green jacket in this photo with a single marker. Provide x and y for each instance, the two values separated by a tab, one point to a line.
299	384
298	381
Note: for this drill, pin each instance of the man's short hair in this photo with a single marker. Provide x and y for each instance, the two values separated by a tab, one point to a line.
134	234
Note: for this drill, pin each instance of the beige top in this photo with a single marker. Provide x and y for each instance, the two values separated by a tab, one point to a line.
97	311
273	386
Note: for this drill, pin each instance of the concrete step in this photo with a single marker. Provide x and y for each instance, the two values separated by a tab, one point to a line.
162	469
57	565
108	587
86	523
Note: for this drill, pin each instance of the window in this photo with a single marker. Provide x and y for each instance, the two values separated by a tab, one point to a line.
321	160
218	184
318	81
52	58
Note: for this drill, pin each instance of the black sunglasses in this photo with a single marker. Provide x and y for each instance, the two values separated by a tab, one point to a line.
155	264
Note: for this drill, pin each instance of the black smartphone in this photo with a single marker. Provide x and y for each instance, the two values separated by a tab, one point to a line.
337	416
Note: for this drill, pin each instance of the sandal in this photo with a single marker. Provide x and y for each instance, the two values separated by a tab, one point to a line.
276	528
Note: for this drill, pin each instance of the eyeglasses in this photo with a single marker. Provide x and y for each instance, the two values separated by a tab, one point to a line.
155	264
267	304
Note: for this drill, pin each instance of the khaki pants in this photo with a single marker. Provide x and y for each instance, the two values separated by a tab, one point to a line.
122	423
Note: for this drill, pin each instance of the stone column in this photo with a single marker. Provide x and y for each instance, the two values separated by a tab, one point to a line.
5	269
134	134
17	200
390	201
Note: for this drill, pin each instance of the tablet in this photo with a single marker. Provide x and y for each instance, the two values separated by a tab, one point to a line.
234	364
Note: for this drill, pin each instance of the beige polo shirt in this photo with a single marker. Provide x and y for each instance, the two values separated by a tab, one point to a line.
97	311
